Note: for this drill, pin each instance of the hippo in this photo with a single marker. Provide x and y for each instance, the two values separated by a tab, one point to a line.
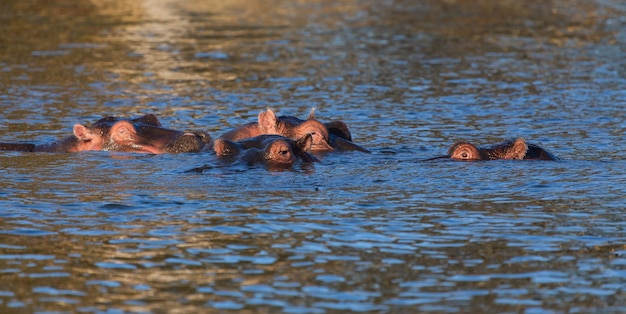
140	135
334	135
274	151
509	149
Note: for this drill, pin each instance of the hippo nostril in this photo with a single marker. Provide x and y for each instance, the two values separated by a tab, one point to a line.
203	136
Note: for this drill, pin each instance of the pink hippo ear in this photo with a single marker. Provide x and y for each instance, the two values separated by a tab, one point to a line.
123	133
83	133
87	140
311	114
305	143
304	146
519	149
268	122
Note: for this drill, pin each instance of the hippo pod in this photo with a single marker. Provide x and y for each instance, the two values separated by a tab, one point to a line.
274	151
334	135
140	135
509	149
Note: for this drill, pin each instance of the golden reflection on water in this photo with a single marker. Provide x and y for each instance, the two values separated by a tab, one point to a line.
164	38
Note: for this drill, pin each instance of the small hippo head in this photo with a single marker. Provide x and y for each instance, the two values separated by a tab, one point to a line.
279	152
510	149
283	152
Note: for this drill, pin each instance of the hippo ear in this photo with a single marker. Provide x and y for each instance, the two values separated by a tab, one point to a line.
519	149
339	128
123	132
224	148
305	143
267	122
83	133
311	114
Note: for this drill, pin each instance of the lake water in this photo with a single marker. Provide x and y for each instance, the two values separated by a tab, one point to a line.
99	232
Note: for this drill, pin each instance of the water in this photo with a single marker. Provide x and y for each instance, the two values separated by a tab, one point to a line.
384	232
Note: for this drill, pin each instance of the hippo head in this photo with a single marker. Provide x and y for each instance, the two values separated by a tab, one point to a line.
282	152
274	151
509	149
143	135
326	136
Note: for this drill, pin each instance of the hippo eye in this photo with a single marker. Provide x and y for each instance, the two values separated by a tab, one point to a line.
284	152
464	155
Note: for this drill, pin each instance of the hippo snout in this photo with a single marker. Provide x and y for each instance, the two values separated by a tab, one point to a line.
203	136
189	142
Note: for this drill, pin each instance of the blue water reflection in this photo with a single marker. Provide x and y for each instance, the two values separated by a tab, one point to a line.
383	232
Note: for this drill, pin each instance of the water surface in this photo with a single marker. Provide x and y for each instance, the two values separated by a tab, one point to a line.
101	232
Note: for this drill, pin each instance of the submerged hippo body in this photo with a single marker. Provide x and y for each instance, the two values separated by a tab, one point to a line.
509	149
140	135
334	135
274	151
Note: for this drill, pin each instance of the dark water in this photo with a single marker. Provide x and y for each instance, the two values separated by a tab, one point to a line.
109	233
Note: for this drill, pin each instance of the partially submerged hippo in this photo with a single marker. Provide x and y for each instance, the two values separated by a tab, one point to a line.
274	151
334	135
509	149
142	135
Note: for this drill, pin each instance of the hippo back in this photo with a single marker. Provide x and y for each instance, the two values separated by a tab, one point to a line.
535	152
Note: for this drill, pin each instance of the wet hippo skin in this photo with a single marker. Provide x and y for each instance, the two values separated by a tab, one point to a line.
509	149
272	150
334	135
140	135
